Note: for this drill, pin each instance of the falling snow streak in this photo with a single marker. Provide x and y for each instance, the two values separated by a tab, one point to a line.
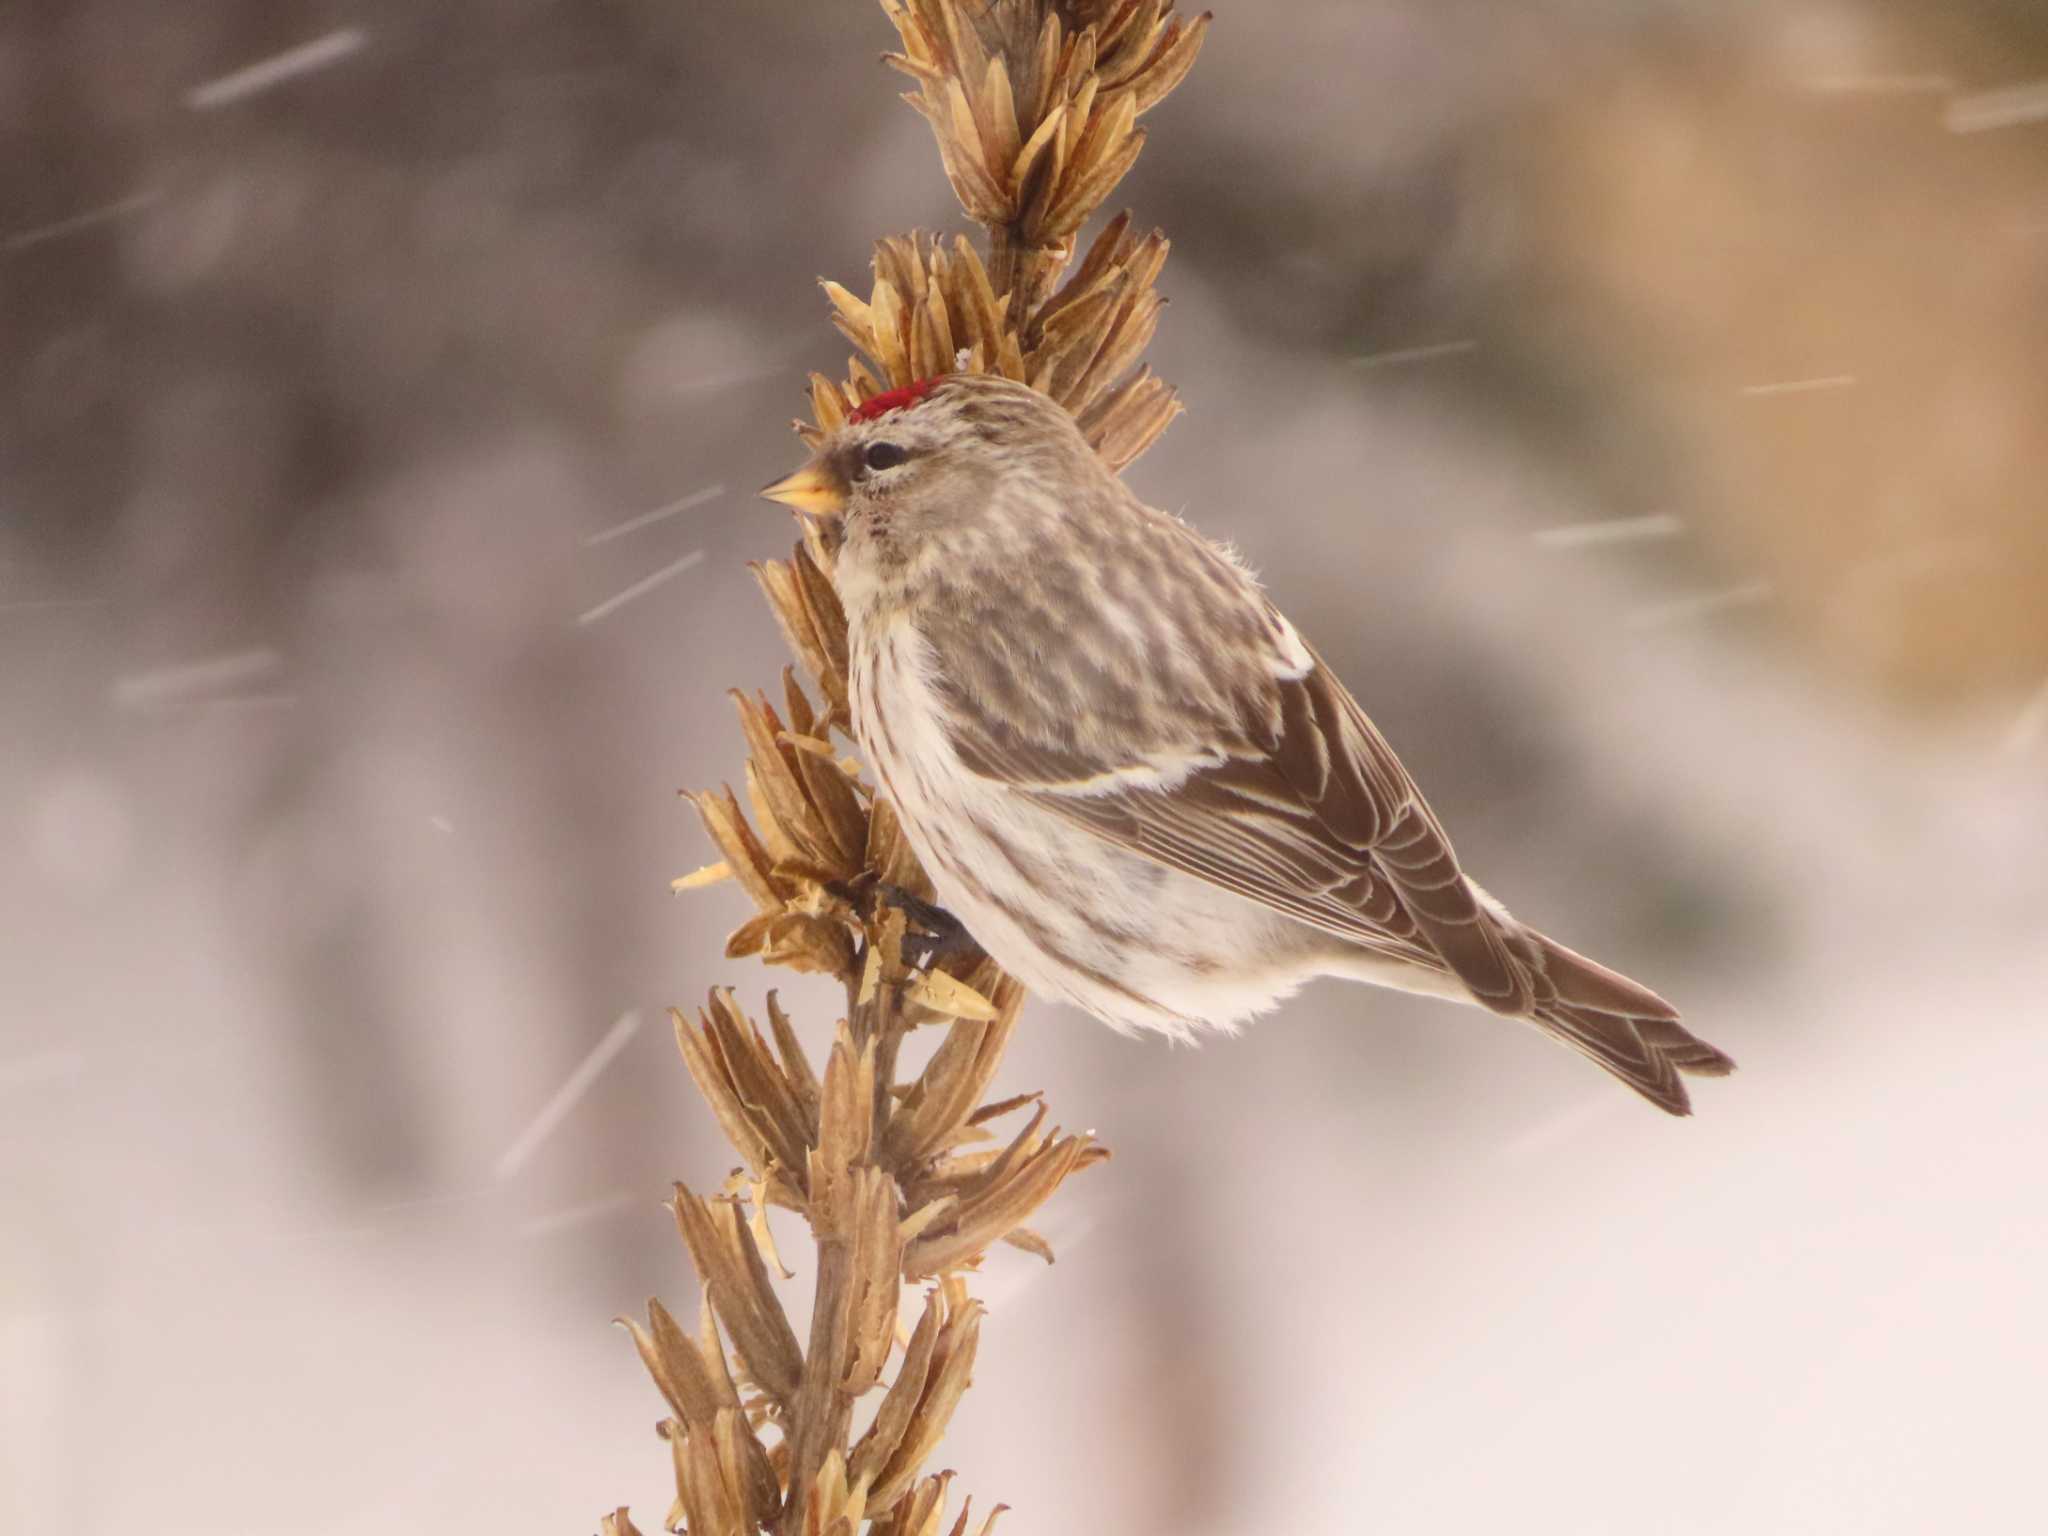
306	59
641	588
1704	605
1555	1130
1613	530
565	1097
170	685
393	1214
2031	727
1801	386
79	222
1881	85
2010	108
659	515
587	1214
1406	355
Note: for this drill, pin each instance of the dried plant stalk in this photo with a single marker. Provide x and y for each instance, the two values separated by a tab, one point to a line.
1034	104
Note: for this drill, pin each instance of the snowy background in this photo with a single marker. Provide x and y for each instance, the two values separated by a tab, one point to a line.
1643	407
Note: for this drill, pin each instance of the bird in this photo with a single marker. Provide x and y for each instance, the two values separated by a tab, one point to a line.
1126	773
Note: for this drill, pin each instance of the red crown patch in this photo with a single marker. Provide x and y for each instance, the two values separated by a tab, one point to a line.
894	400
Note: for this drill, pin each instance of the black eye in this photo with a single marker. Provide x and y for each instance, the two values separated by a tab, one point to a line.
884	456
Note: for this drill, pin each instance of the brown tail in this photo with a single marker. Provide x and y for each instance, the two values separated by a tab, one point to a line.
1626	1028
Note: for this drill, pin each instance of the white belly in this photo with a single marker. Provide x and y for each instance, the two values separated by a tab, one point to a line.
1073	917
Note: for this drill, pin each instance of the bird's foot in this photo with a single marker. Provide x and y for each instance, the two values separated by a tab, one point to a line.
934	933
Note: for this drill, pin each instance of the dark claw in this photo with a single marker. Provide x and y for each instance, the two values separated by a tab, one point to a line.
935	934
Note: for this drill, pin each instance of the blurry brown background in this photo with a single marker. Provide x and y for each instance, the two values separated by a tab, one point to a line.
338	784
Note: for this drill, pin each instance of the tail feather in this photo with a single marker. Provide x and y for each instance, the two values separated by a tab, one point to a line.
1618	1023
1626	1028
1647	1054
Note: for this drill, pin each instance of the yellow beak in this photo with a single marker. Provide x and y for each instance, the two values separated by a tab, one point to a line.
813	490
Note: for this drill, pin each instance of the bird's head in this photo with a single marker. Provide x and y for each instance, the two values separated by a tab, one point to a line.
948	471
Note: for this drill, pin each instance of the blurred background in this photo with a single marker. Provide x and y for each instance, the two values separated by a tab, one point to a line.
1641	404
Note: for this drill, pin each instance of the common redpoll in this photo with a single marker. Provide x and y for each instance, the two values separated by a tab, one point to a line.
1127	775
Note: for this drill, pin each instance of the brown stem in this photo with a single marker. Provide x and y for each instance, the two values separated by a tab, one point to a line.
823	1413
821	1419
1024	270
885	1073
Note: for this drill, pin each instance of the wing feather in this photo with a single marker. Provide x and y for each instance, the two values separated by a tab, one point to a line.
1295	802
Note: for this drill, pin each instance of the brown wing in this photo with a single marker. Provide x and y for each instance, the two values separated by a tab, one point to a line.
1298	803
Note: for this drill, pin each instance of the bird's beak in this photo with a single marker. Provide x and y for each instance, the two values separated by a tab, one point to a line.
815	490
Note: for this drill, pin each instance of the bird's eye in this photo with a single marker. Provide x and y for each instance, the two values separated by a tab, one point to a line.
884	456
